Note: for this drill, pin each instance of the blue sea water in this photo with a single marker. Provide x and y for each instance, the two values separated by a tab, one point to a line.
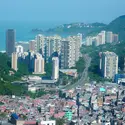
23	30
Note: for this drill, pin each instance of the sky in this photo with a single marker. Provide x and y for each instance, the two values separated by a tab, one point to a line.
64	11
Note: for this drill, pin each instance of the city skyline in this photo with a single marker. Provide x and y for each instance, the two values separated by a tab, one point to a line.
64	62
58	11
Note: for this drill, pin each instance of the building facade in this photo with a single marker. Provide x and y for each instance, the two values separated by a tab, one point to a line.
115	38
109	37
88	41
10	41
55	70
103	33
67	54
24	44
53	44
40	44
39	64
109	64
19	50
14	60
32	45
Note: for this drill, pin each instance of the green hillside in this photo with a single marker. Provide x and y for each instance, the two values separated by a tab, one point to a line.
6	88
94	72
118	26
75	28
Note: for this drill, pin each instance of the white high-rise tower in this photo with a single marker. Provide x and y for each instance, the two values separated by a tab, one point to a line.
55	72
39	65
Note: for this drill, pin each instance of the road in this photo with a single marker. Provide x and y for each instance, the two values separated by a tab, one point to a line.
84	76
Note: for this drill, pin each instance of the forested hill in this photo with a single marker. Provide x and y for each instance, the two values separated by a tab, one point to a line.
6	88
118	26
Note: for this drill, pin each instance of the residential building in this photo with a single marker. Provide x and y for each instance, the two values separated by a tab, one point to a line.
88	41
67	54
76	42
10	41
109	37
115	38
40	44
30	59
94	41
19	50
99	39
32	45
14	60
39	64
103	33
24	44
109	66
55	70
53	44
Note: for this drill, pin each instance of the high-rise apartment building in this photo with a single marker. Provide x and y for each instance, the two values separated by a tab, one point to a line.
115	38
67	54
109	37
103	33
39	64
76	42
55	70
14	60
32	45
30	59
88	41
53	44
99	39
40	44
10	41
109	64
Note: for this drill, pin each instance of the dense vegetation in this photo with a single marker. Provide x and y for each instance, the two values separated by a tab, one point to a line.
48	69
75	28
6	88
60	121
80	65
118	26
118	48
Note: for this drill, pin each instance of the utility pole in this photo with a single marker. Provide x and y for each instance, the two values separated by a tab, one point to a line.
124	64
78	104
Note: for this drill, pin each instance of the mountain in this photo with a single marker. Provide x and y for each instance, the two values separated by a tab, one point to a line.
74	28
117	26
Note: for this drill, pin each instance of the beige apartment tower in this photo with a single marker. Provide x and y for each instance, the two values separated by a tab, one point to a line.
109	64
39	65
14	60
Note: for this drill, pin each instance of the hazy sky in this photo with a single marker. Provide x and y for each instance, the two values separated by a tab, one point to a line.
61	10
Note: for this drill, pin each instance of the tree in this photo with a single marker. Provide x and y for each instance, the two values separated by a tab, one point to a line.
48	69
80	65
60	122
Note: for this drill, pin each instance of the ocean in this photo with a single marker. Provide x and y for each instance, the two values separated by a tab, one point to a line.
23	30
